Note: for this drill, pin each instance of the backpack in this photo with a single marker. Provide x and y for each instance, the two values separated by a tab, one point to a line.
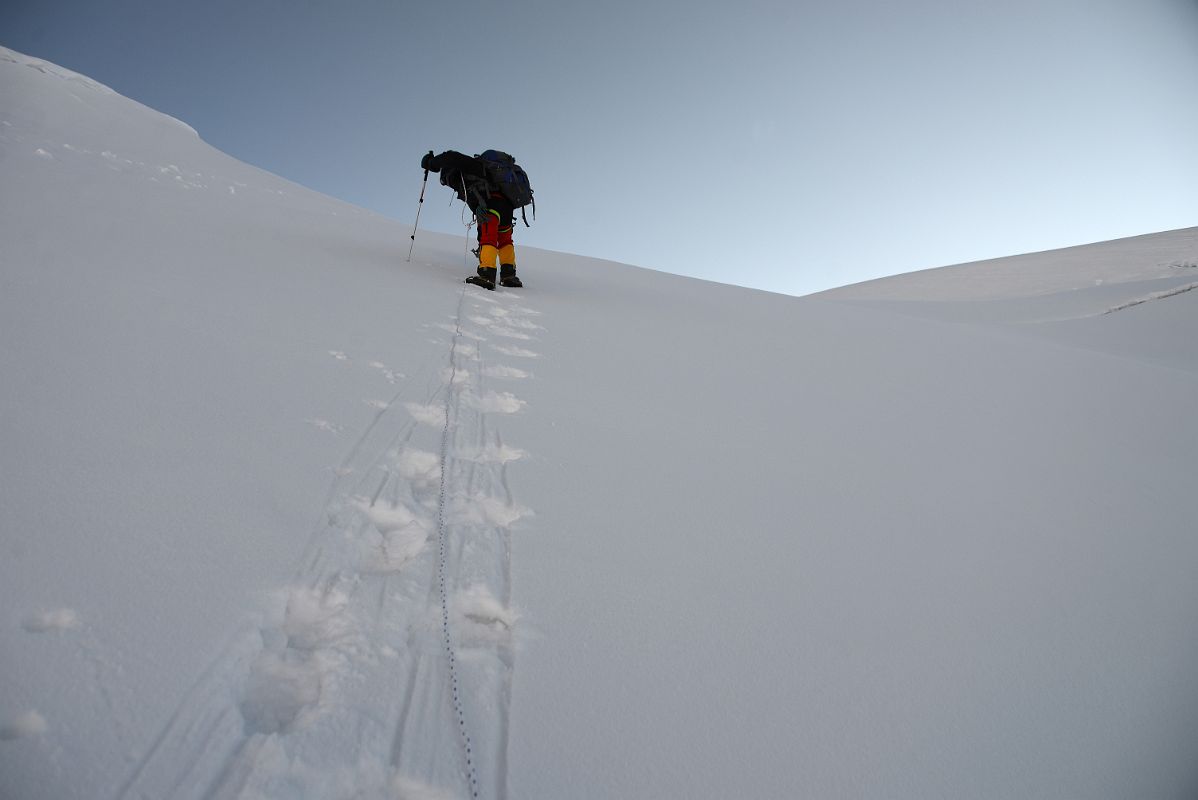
509	178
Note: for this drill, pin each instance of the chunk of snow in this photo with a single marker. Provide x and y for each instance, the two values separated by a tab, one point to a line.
433	416
31	723
496	403
59	619
279	690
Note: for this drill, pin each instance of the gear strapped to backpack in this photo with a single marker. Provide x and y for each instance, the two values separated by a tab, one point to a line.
510	179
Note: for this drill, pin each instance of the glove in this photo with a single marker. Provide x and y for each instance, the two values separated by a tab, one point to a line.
426	161
482	213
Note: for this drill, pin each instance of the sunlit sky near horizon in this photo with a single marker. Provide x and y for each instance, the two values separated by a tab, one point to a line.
789	146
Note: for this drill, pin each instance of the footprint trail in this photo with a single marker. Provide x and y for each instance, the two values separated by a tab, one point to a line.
386	666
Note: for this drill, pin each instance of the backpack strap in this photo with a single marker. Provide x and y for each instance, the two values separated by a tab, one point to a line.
534	213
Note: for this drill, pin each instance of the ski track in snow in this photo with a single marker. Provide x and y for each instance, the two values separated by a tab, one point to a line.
385	669
1189	287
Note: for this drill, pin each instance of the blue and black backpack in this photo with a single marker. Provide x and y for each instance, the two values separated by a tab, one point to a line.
510	179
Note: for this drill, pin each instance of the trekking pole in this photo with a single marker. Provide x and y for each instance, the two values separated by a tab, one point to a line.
468	225
423	186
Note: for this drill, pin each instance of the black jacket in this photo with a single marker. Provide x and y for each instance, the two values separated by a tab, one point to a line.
466	175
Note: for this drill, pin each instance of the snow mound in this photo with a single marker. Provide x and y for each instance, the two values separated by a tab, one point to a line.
59	619
24	726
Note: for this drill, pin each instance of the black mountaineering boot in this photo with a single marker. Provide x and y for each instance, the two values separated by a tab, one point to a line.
507	276
485	278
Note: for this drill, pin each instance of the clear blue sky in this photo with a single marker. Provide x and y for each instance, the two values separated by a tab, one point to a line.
783	144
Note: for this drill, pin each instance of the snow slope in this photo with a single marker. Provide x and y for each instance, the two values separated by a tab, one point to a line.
282	515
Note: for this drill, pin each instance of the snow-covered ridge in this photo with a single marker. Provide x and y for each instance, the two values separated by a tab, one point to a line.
53	70
74	79
1167	255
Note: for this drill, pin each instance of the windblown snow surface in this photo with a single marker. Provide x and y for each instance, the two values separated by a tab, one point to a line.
285	516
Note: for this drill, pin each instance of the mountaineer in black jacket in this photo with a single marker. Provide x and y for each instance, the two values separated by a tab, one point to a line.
467	176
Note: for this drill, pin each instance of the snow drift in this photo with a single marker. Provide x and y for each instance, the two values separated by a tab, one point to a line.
282	515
